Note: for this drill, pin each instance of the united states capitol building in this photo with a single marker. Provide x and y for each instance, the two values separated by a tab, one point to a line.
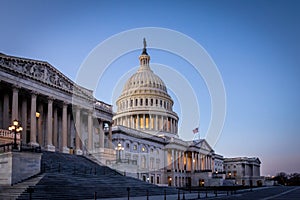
140	140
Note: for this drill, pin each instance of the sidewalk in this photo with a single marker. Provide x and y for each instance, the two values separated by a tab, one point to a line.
191	196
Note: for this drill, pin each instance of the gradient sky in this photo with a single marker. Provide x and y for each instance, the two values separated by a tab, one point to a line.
255	45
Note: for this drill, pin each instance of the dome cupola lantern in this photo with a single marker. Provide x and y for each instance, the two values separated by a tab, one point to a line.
144	57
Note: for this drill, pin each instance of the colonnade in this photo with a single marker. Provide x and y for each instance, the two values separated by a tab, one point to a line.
150	122
180	161
125	105
53	124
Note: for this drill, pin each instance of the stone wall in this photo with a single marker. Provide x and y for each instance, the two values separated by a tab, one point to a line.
17	166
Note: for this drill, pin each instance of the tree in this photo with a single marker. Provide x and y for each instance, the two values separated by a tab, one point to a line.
294	179
281	178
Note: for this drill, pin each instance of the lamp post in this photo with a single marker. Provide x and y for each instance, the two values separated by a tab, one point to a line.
15	128
119	148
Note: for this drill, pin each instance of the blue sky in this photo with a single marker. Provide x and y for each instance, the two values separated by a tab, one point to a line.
254	44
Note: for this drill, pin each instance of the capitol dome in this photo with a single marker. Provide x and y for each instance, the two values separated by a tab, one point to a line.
145	103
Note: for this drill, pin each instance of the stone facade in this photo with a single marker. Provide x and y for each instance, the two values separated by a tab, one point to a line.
146	127
17	166
55	113
243	171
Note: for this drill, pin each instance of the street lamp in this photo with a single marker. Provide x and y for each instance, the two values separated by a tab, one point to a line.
15	128
119	148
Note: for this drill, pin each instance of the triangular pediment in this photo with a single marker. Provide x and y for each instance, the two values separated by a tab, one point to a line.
44	73
205	146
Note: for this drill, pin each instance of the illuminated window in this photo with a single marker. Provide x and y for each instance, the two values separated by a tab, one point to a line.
143	149
147	121
135	147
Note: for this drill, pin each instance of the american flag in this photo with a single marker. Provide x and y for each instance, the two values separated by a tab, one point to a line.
195	130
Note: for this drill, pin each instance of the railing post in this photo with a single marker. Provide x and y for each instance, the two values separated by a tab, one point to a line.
59	167
183	196
178	197
198	194
128	193
165	195
95	196
147	194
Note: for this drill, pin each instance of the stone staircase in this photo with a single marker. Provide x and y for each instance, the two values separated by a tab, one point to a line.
66	176
12	192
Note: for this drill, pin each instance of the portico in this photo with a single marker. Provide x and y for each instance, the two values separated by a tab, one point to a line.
56	114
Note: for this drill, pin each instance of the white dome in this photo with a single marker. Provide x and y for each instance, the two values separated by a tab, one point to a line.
145	103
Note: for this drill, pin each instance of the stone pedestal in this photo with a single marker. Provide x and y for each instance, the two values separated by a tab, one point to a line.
78	152
66	150
34	144
50	147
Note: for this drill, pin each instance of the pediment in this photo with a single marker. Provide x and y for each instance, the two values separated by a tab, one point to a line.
205	146
44	73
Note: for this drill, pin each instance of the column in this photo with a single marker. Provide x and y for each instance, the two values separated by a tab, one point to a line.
101	135
69	134
156	122
131	122
6	120
40	124
65	149
186	162
90	131
24	120
193	162
15	104
198	161
138	121
110	135
78	151
166	159
144	121
33	121
55	127
50	146
181	160
176	160
172	160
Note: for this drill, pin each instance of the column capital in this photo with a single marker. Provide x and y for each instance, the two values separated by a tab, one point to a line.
16	87
77	107
34	93
50	98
